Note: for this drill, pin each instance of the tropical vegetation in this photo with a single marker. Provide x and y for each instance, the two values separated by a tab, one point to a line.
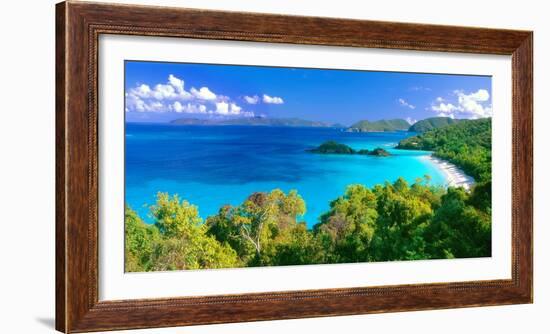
388	222
380	126
467	144
393	221
332	147
432	123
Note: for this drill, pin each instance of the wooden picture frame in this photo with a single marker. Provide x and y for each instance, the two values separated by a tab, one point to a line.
78	26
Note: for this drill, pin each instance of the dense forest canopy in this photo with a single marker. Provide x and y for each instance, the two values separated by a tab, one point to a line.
466	144
432	123
385	223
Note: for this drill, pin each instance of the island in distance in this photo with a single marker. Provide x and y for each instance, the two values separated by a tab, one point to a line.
380	126
332	147
361	126
432	123
257	121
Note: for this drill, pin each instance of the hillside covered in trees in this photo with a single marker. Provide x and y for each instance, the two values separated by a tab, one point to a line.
380	126
466	144
432	123
388	222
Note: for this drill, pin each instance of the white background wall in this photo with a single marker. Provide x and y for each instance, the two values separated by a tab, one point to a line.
27	69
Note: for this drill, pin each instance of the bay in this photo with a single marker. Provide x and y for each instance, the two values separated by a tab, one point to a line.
211	166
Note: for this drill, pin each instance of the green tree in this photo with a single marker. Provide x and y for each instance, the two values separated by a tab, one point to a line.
347	229
458	230
255	226
140	240
175	218
177	240
185	244
294	246
393	221
402	216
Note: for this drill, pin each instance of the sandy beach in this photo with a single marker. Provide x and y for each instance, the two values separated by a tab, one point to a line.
455	176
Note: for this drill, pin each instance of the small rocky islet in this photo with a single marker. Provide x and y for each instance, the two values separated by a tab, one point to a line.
333	147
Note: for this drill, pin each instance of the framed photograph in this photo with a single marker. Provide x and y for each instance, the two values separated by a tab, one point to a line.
223	167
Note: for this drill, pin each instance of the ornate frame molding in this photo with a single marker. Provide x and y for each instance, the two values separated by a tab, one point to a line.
78	27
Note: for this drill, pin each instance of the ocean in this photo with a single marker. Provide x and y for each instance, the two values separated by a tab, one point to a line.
211	166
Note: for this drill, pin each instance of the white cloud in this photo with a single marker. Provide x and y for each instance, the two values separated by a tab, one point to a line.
178	107
442	114
404	103
136	103
144	99
473	105
189	108
480	95
272	99
173	89
252	99
228	109
203	93
222	108
445	107
142	91
172	97
411	121
235	109
162	92
156	106
176	83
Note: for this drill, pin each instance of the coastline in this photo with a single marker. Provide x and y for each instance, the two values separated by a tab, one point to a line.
455	176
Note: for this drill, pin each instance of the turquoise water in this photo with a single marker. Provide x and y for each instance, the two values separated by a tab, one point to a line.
211	166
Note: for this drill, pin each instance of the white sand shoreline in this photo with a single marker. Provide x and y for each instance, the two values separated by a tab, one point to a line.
455	176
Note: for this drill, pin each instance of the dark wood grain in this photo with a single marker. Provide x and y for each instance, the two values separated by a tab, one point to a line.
78	27
60	180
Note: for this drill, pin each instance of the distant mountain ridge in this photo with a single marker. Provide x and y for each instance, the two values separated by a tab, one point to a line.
256	121
383	125
432	123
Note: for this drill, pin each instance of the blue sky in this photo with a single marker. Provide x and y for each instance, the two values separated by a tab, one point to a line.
160	92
